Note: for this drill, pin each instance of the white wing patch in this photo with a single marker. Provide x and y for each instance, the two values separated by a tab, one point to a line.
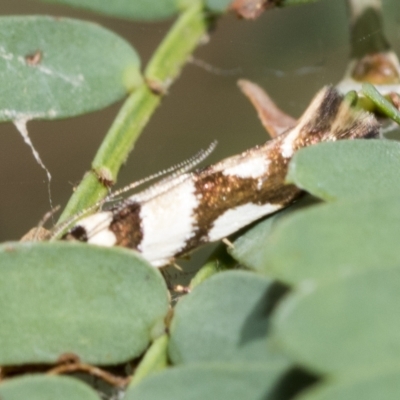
251	168
287	149
167	223
232	220
97	229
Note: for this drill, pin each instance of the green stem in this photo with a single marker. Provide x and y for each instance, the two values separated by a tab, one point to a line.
163	68
154	360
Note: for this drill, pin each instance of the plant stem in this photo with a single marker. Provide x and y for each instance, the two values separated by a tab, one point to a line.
163	68
154	360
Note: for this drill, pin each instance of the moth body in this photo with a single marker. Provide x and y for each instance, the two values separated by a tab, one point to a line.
178	214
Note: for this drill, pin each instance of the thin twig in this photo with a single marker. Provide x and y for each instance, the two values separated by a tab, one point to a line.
90	369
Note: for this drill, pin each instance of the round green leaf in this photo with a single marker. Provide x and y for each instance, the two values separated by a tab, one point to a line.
335	239
142	9
348	324
137	9
247	246
348	169
44	387
380	385
57	67
226	318
102	304
223	382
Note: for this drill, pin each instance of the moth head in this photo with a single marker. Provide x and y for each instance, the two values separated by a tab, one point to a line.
332	117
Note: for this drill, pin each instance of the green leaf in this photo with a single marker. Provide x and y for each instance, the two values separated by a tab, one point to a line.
249	248
335	239
142	9
44	387
378	385
348	324
226	318
232	381
348	169
382	104
137	9
57	67
103	304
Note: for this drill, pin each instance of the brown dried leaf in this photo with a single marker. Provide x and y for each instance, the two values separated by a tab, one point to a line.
274	120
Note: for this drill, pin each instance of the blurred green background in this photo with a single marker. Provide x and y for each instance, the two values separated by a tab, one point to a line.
291	52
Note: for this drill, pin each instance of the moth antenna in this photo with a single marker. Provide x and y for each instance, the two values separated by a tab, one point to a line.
60	228
176	177
153	191
175	170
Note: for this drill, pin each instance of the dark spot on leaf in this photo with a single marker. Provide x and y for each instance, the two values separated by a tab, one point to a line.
34	59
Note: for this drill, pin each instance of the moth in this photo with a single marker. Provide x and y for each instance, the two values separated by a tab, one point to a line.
180	213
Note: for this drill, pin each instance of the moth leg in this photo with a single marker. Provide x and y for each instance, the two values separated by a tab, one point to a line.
176	266
228	243
181	289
